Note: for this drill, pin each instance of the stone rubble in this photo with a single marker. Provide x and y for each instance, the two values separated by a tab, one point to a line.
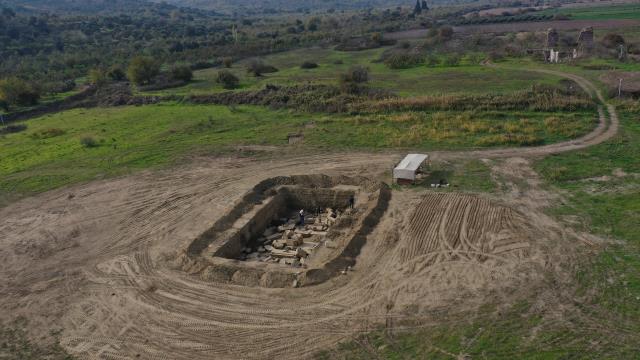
292	244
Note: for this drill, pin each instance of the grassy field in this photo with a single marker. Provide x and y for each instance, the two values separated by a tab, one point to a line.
624	11
602	186
468	77
50	152
590	68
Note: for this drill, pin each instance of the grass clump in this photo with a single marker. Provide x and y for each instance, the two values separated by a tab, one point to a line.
89	142
48	133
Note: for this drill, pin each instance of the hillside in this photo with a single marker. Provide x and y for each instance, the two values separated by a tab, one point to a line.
82	6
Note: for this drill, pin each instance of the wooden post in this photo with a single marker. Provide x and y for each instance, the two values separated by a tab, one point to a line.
620	88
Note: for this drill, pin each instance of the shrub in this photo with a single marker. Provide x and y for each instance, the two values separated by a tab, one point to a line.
612	41
142	70
452	60
11	129
227	79
258	67
227	62
308	65
352	81
98	77
403	60
115	73
14	91
338	62
356	74
89	142
432	60
445	33
182	73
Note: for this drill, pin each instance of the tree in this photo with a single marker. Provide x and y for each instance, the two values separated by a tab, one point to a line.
425	7
182	73
142	70
14	91
314	23
227	79
418	9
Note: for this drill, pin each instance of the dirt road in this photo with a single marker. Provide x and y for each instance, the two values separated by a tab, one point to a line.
94	260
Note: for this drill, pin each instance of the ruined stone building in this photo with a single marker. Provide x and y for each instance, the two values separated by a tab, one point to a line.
552	38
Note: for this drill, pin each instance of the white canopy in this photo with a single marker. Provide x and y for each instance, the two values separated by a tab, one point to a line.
408	166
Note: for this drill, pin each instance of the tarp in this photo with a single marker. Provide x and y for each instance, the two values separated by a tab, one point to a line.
408	166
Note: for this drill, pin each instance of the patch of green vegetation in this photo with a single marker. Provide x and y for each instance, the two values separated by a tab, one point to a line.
451	130
603	190
468	77
471	175
84	144
15	345
624	11
516	333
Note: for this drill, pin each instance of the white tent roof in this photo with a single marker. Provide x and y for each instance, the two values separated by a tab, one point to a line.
408	166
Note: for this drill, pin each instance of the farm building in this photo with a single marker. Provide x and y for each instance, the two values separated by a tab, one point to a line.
407	170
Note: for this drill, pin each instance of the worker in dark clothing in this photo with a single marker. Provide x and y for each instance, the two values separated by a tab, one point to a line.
352	201
302	217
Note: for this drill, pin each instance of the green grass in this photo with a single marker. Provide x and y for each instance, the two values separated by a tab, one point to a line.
625	11
49	154
422	80
468	176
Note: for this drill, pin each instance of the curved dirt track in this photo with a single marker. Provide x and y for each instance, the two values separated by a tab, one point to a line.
95	260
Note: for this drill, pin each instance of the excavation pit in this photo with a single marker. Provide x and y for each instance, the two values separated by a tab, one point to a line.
261	241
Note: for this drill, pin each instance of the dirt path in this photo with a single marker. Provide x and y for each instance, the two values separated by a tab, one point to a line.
94	260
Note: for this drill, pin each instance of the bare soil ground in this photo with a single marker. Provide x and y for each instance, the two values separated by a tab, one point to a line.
94	260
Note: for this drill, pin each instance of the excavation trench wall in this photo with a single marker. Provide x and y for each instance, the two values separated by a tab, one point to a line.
310	190
286	200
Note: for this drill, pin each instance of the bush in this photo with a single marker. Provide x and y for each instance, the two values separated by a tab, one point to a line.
115	73
14	91
612	41
403	60
308	65
352	81
357	74
258	67
227	62
98	77
227	79
182	73
452	60
445	33
142	70
11	129
89	142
